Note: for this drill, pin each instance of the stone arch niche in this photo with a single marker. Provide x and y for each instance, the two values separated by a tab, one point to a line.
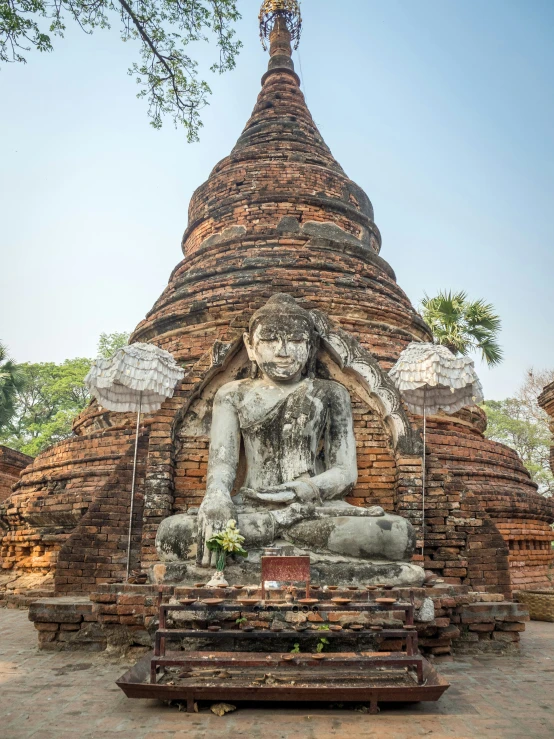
384	434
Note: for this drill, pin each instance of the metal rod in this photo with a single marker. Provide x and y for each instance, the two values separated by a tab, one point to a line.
133	488
423	480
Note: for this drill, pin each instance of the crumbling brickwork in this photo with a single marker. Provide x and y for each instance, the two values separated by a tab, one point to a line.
277	215
11	464
125	616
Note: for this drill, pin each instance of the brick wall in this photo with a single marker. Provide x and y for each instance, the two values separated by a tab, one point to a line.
530	552
50	518
496	489
96	550
127	616
11	464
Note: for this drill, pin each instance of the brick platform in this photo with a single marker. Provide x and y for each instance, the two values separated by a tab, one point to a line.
126	617
52	695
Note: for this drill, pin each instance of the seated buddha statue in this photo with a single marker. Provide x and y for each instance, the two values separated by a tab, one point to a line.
298	439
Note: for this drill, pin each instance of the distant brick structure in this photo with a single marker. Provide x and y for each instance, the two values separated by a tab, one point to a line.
546	402
277	215
11	464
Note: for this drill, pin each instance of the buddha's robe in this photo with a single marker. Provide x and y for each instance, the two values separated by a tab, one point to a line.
307	435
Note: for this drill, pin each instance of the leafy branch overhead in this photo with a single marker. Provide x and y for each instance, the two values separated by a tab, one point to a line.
168	76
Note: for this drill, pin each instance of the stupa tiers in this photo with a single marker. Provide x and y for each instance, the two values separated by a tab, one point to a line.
11	464
278	215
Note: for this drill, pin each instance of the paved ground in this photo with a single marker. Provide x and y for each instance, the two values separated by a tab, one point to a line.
64	695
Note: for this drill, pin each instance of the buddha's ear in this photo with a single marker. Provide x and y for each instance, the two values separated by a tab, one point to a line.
248	345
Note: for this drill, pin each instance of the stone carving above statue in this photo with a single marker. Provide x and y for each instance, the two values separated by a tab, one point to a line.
298	439
351	356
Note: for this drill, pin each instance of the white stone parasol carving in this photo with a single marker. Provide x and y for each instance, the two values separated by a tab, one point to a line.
138	375
138	378
430	379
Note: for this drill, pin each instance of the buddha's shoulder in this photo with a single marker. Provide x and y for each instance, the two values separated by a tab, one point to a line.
234	390
330	388
240	390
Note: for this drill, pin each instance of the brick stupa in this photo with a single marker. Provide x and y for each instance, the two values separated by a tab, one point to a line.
277	215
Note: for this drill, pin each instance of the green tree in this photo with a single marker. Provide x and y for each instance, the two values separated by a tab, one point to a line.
463	325
49	397
162	29
108	344
11	382
521	424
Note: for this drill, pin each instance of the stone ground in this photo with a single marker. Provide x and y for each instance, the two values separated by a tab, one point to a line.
52	695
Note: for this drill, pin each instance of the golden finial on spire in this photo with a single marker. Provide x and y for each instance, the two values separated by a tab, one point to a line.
287	9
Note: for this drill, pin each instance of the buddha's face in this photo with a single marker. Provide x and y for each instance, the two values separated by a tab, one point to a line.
280	346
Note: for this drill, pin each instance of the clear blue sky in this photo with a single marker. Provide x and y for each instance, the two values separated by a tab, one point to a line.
442	110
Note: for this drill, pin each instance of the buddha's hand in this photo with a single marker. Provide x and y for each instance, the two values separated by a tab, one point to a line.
215	512
300	490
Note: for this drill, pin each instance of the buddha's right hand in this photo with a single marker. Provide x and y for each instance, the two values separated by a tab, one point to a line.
303	491
215	512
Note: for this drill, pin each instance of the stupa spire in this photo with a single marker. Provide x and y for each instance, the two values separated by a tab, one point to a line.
280	43
281	23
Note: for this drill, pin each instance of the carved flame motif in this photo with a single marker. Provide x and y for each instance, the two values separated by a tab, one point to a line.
350	355
287	9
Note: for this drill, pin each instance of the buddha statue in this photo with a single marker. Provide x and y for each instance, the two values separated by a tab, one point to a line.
297	433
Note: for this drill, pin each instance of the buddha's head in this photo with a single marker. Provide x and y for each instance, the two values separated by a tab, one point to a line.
281	340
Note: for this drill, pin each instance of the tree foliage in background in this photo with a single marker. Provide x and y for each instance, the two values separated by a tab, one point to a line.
108	344
52	395
463	325
49	398
521	424
163	29
11	382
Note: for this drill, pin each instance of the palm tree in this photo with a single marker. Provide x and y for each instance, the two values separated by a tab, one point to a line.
463	325
11	381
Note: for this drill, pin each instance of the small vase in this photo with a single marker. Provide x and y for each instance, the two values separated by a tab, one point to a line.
218	580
